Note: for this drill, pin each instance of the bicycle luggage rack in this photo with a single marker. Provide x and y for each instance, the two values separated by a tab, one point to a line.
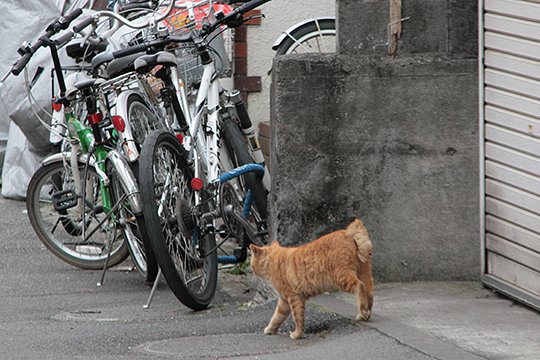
222	179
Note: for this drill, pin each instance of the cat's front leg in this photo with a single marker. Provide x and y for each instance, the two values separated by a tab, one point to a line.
282	312
297	308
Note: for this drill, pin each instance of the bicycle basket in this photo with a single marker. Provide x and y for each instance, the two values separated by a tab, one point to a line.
184	20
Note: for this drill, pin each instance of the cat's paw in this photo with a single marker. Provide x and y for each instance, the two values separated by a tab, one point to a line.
269	331
295	335
364	315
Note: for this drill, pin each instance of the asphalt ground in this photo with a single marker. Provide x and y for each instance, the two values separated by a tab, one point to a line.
52	310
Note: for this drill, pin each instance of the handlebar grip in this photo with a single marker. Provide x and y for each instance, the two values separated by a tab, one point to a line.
68	18
130	50
21	63
242	9
65	37
136	6
87	20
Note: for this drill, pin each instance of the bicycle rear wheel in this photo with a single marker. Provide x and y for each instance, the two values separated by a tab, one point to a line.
140	118
184	253
60	229
239	154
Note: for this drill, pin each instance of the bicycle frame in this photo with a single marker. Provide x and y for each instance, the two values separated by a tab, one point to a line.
82	140
202	145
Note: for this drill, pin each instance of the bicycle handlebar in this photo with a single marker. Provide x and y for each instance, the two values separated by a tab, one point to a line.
229	20
63	23
133	25
77	28
83	23
234	18
65	20
242	9
21	63
54	27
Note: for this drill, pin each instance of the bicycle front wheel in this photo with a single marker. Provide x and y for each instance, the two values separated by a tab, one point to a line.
186	255
60	228
133	229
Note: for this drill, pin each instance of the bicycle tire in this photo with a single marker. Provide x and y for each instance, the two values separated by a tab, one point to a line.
235	141
140	118
312	38
135	235
168	212
60	231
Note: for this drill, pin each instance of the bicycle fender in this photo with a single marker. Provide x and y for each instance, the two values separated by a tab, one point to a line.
127	180
126	137
296	26
61	157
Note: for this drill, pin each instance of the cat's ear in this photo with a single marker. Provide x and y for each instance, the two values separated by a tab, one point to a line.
255	249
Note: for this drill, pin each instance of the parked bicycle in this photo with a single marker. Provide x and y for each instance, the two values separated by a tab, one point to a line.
199	178
79	212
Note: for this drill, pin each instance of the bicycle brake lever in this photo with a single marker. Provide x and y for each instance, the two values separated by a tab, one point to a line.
255	16
240	20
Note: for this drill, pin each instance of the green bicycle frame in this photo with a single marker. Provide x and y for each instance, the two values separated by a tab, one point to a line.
86	137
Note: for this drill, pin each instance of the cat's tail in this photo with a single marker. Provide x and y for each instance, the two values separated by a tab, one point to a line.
359	233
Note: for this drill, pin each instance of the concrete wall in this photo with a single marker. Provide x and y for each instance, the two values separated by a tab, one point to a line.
280	15
390	140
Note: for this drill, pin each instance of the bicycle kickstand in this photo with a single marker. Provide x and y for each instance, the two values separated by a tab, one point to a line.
154	287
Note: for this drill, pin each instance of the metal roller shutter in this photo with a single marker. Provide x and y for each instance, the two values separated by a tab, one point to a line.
510	149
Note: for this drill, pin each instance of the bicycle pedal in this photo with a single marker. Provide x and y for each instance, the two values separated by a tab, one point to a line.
63	200
222	231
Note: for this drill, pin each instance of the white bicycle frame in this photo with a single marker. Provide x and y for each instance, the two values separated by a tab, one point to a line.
206	149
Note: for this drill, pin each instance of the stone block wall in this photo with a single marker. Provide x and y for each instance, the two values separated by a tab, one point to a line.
393	141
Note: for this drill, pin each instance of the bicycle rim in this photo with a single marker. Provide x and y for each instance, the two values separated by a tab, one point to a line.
61	230
313	37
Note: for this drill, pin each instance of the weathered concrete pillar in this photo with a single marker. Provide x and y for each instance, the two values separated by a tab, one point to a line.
392	140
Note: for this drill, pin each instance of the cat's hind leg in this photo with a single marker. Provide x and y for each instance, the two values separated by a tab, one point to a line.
348	281
366	277
280	314
297	308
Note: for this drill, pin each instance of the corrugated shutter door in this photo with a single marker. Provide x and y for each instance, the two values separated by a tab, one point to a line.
511	148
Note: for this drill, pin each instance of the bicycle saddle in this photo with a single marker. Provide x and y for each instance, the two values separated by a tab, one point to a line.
85	53
83	84
145	63
115	67
121	66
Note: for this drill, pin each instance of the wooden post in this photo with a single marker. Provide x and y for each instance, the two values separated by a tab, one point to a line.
395	27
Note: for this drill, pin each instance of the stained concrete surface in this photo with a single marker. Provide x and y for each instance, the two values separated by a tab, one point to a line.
450	320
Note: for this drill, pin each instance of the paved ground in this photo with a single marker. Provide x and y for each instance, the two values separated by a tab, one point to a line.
51	310
450	320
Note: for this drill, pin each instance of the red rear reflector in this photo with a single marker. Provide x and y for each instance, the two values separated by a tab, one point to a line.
180	138
196	184
56	106
95	118
118	123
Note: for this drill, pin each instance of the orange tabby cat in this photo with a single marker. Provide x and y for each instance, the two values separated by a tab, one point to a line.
340	260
